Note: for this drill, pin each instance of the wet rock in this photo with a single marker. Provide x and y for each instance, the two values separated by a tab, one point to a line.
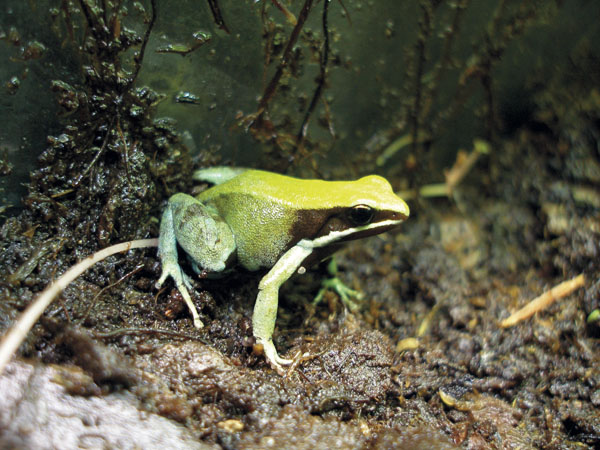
36	412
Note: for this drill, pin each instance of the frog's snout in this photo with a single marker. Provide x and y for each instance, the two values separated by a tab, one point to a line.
402	212
399	216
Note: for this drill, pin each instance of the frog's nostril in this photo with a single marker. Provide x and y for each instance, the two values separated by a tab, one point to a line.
399	215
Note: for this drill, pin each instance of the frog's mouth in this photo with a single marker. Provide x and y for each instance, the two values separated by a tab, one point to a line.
368	230
329	227
336	230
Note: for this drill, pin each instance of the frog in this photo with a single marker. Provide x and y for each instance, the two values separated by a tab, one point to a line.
265	221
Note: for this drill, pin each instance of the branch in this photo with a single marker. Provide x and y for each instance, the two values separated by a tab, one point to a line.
217	16
140	57
543	301
285	59
320	81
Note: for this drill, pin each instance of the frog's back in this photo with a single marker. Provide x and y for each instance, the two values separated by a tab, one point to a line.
255	207
260	185
298	193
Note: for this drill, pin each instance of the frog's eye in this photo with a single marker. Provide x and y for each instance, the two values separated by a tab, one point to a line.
360	214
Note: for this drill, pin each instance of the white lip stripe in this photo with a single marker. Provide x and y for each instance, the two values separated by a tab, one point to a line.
335	236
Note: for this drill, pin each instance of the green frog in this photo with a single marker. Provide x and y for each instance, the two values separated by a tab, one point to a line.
262	220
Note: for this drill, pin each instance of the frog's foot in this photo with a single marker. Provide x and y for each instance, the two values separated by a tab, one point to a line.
275	361
175	272
345	293
182	282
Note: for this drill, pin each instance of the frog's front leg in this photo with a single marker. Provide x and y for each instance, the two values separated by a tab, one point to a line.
201	233
265	309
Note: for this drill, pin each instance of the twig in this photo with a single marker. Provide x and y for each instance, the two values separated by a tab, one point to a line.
90	18
96	156
463	164
425	325
285	60
217	16
425	28
17	333
399	144
345	12
140	56
320	81
286	12
114	22
445	60
543	301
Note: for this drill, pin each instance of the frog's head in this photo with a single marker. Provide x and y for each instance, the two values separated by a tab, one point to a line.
355	209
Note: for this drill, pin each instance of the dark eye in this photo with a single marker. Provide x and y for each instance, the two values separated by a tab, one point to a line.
360	214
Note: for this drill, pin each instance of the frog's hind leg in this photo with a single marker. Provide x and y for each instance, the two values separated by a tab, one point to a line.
167	252
201	233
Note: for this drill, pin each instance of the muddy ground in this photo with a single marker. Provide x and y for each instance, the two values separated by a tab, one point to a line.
422	364
128	369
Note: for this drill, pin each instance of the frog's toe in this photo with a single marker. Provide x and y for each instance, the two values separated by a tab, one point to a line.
169	270
162	279
275	361
183	283
350	298
186	280
279	366
197	322
190	304
283	361
175	272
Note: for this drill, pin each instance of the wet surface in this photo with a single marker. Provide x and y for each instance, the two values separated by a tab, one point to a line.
422	363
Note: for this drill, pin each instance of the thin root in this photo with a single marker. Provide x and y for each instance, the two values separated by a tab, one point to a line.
17	333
